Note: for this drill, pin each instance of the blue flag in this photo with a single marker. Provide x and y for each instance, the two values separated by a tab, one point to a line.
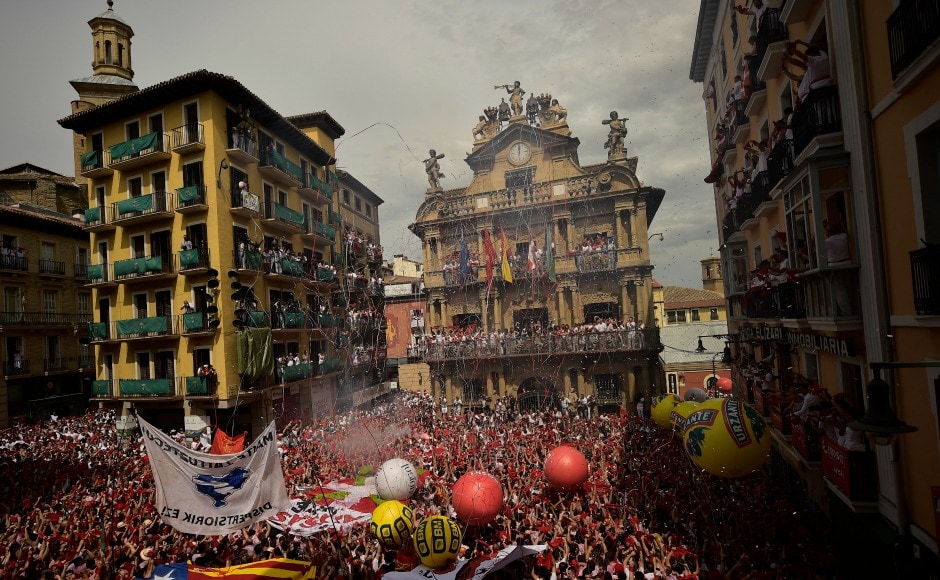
175	571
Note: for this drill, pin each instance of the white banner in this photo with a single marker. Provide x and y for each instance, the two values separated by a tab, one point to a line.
201	493
484	566
335	505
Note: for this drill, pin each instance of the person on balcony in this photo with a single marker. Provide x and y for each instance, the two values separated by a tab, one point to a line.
813	61
187	308
186	244
757	10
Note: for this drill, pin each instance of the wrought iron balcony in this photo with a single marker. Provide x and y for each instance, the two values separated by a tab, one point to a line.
96	164
191	199
242	145
99	331
13	367
278	168
912	28
248	261
832	293
330	365
779	163
784	301
925	272
13	263
321	232
86	361
148	327
21	318
149	267
101	275
312	182
819	114
245	203
102	388
52	267
143	208
81	270
197	386
188	138
852	472
602	261
194	323
542	345
284	219
56	364
771	30
147	387
288	320
141	151
195	261
98	219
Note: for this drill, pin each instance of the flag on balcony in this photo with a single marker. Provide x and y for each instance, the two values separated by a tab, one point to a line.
504	257
549	252
464	261
201	493
490	252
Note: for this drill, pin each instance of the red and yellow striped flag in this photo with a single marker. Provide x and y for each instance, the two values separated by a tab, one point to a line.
274	568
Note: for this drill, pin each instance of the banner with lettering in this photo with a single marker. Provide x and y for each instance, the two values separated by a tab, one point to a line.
202	493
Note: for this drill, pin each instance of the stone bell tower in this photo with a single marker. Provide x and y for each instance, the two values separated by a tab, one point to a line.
112	75
711	275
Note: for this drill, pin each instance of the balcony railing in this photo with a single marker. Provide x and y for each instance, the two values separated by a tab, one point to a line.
99	273
146	387
335	218
783	301
86	361
330	365
194	323
191	197
248	260
242	144
832	293
188	138
52	267
96	217
99	331
16	367
102	388
198	386
14	263
545	345
779	163
81	270
912	28
322	230
771	30
140	151
853	472
283	215
313	182
925	271
292	373
125	270
149	327
142	205
55	364
12	318
603	261
820	114
195	259
284	167
245	201
289	320
96	163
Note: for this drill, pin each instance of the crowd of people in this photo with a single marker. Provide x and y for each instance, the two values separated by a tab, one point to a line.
12	257
358	243
604	333
77	503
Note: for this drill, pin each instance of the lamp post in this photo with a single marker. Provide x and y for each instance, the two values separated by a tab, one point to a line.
882	426
654	235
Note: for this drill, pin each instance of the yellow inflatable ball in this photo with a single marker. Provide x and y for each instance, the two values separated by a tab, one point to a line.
680	416
731	440
661	410
437	541
392	523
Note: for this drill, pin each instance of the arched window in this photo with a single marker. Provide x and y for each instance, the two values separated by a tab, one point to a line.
97	52
120	54
107	52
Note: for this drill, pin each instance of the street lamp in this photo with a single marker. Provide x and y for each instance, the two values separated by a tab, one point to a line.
654	235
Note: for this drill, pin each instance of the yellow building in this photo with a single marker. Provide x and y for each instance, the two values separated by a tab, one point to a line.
534	246
214	242
46	308
822	122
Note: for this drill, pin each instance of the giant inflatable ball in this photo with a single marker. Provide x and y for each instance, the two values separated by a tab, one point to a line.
680	415
662	410
731	440
396	479
696	394
392	523
725	385
437	541
477	498
566	468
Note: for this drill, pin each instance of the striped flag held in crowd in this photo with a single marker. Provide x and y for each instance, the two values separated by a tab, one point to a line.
275	568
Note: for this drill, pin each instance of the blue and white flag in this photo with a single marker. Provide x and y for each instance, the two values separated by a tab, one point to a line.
202	493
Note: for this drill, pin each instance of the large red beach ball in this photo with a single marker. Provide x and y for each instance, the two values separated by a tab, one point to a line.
566	468
477	498
725	385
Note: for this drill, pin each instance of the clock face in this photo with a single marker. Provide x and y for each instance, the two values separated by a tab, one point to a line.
519	153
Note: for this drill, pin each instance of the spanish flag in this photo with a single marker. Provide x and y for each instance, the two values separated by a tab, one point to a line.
275	568
506	270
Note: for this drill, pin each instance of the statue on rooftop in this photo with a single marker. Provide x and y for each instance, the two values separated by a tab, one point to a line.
433	169
515	99
615	138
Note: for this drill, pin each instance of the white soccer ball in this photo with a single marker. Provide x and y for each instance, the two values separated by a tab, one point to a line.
396	479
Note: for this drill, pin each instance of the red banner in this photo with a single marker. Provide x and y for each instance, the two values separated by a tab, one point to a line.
835	465
223	444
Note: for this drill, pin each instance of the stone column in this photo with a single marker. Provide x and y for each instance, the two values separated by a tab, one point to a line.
618	229
445	318
571	238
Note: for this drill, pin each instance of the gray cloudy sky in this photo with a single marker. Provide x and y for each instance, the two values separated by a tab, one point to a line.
401	77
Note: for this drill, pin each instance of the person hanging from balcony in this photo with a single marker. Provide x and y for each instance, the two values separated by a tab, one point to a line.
757	10
813	61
